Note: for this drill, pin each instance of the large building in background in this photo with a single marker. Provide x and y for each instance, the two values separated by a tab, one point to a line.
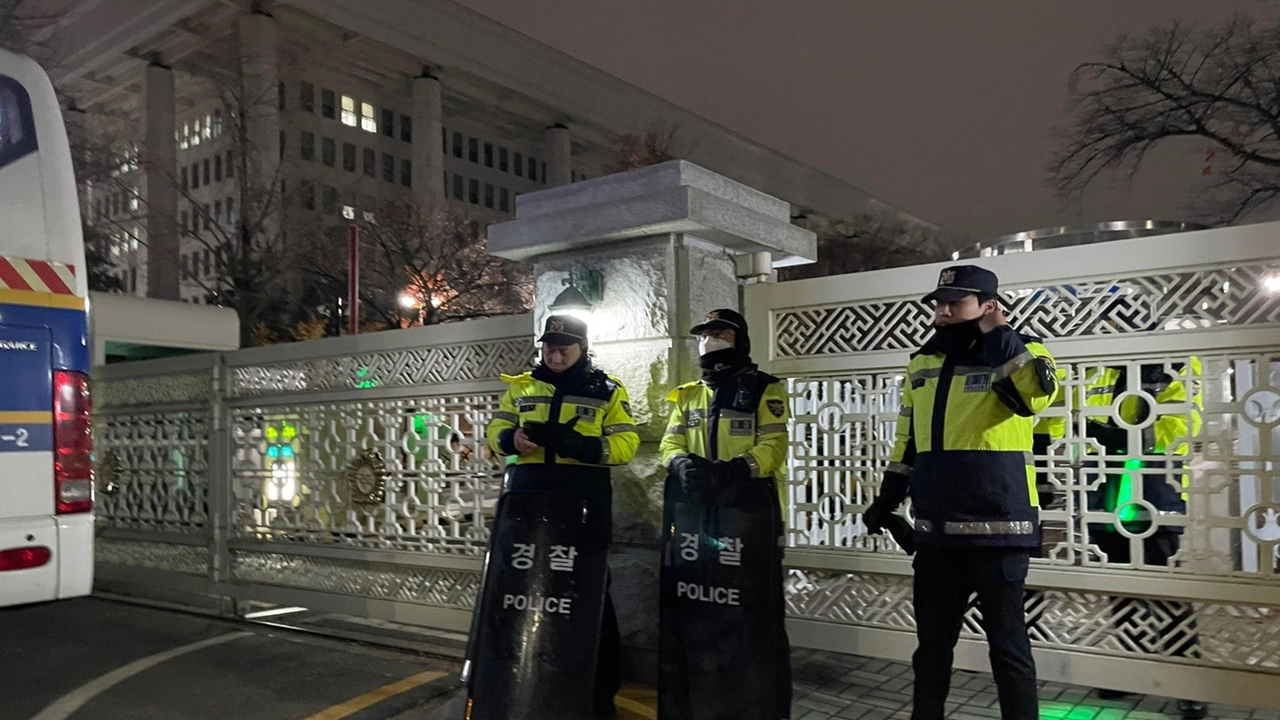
348	104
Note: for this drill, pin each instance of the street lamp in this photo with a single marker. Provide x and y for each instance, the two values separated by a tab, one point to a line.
407	301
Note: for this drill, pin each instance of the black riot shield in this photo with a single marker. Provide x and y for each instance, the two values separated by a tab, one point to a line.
719	593
532	652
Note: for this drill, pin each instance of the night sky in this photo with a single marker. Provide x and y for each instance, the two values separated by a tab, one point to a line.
943	108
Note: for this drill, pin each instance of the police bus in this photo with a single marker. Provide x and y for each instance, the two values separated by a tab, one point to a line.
46	487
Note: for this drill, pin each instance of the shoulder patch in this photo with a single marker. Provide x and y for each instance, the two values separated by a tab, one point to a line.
517	379
777	407
674	395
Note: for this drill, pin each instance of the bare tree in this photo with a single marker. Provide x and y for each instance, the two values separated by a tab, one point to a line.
642	150
422	266
873	240
1221	85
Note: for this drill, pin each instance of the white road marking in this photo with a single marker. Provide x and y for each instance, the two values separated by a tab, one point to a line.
66	705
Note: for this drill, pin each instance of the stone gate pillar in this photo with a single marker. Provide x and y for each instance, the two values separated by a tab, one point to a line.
662	241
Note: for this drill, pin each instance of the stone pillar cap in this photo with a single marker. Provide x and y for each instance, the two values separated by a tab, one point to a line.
673	197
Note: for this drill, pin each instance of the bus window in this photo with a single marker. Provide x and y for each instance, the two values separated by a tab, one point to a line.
17	127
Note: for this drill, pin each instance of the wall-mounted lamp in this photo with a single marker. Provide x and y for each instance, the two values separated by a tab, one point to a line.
584	288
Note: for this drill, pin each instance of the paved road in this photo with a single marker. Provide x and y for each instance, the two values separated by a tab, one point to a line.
93	659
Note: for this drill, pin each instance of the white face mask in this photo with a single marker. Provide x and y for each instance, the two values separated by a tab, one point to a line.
713	344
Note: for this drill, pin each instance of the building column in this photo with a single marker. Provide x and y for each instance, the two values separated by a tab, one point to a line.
428	152
160	189
260	105
559	149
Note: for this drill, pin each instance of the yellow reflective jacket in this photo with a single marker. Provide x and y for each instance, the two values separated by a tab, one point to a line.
754	430
1168	434
600	406
963	441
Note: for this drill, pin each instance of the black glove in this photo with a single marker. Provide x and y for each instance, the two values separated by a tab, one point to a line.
693	472
564	441
876	517
1047	492
537	433
902	533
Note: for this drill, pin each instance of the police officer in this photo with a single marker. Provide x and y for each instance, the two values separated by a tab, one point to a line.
1166	435
963	453
569	422
731	427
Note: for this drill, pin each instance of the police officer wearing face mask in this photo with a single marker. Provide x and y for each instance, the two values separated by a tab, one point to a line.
963	453
731	427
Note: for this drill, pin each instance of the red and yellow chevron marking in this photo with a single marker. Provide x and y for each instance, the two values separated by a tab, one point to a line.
38	282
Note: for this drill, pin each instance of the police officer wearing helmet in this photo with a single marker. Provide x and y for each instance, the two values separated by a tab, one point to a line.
731	427
569	422
963	454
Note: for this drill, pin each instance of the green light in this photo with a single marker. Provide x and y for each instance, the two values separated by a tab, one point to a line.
363	379
1129	510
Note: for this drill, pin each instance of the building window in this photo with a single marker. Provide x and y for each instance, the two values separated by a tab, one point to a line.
231	204
457	144
186	221
185	185
231	166
217	122
406	173
195	133
329	152
217	211
208	266
282	144
473	191
370	162
388	167
368	121
328	104
388	123
186	136
282	95
457	186
488	195
307	147
217	168
208	126
208	171
349	111
444	140
473	150
544	172
348	157
504	199
308	192
503	160
488	155
518	161
406	128
329	202
195	175
307	97
533	168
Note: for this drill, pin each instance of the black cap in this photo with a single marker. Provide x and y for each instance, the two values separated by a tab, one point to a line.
726	319
959	281
564	330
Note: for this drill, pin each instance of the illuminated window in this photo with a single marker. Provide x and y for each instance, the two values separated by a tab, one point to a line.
348	110
367	121
195	133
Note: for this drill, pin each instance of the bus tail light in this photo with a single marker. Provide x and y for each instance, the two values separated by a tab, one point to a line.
72	443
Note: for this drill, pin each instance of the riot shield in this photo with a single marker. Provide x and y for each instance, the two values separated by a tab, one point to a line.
532	653
721	573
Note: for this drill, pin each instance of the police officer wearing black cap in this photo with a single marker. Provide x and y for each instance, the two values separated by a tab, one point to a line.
731	427
963	454
569	422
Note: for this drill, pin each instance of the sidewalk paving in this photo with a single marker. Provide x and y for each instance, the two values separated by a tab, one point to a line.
848	687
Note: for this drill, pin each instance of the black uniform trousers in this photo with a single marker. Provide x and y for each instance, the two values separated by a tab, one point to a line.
945	578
